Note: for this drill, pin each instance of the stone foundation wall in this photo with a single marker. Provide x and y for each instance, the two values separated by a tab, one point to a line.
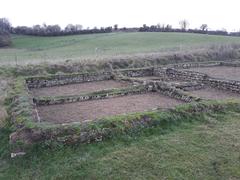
162	73
167	72
56	80
170	74
188	86
226	85
170	91
138	72
231	64
193	65
103	129
43	101
180	75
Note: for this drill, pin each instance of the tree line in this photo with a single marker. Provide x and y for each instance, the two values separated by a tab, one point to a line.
55	30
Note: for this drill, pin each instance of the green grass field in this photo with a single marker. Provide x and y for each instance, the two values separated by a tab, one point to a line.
207	149
30	49
197	150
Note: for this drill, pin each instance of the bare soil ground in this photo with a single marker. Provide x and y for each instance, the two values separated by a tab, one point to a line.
223	72
74	89
215	94
90	110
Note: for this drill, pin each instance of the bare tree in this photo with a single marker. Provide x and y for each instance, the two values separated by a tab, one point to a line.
37	29
78	27
70	28
5	25
184	24
204	27
115	27
53	29
168	27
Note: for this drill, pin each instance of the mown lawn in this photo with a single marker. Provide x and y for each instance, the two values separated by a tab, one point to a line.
197	150
32	49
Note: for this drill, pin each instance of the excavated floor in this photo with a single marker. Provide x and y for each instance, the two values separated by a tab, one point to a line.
215	94
75	89
222	72
95	109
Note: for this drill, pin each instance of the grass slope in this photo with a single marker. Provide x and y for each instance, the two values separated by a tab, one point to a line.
30	49
198	150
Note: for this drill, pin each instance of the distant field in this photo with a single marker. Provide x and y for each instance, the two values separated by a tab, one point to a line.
30	49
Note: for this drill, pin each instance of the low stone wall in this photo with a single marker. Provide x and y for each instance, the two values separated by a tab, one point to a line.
188	86
185	75
161	72
192	81
107	128
167	72
56	80
170	74
231	64
170	91
138	72
227	85
43	101
193	65
191	76
28	130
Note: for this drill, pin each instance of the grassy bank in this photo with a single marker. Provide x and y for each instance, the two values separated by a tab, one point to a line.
205	149
30	49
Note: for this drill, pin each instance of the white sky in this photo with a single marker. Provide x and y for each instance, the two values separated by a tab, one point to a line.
217	14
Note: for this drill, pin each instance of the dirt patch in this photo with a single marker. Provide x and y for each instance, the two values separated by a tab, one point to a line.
223	72
215	94
95	109
74	89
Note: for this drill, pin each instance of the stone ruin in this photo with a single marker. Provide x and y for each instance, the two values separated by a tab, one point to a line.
174	82
123	92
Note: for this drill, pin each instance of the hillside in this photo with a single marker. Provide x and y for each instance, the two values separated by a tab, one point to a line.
30	49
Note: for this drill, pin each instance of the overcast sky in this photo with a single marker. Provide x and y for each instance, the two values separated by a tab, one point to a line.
218	14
